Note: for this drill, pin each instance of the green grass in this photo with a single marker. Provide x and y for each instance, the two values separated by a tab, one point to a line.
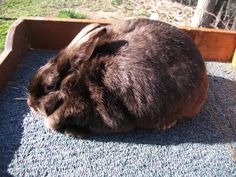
42	8
144	13
71	14
17	8
116	2
4	26
56	8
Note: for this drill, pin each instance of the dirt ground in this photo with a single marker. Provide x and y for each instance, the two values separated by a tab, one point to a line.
168	11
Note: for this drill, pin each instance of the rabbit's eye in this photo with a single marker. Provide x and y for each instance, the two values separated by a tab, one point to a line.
50	87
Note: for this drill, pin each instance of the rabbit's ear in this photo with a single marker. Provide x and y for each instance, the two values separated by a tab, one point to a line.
87	29
83	45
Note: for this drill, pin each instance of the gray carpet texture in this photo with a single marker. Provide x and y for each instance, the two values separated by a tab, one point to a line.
202	146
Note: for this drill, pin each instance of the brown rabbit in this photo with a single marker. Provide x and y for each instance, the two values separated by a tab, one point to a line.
133	74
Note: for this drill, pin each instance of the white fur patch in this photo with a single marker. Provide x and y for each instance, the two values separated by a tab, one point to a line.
50	123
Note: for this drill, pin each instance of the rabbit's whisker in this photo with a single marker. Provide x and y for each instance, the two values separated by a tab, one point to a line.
30	67
16	88
20	99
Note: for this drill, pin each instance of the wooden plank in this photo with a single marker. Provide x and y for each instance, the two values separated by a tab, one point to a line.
214	44
15	48
51	33
234	60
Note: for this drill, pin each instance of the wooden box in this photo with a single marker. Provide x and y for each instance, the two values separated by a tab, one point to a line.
54	34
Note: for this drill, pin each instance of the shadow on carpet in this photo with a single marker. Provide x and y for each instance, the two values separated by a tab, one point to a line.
202	146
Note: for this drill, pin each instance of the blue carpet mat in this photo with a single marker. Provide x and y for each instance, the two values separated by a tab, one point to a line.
202	146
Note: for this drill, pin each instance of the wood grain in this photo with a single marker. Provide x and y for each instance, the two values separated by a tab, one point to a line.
50	33
234	60
15	48
214	45
53	33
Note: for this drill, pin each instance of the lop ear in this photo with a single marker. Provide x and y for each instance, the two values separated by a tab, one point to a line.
83	45
83	32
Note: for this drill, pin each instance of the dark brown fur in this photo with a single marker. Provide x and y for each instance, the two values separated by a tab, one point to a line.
142	74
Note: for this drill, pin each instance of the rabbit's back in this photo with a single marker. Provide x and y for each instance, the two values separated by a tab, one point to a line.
154	68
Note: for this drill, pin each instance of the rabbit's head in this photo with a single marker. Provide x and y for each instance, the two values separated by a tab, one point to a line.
55	81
